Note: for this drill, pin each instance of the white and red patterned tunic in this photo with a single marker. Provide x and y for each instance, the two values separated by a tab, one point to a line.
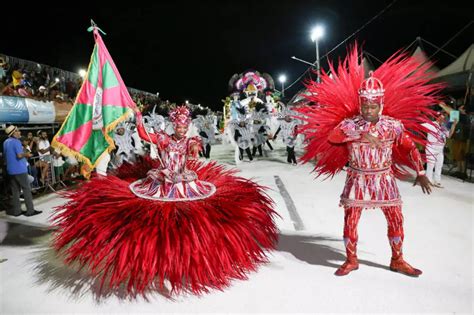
172	181
370	180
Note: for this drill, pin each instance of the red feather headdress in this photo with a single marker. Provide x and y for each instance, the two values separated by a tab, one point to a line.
180	116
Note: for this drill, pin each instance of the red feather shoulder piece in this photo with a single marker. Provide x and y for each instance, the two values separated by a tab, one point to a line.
408	98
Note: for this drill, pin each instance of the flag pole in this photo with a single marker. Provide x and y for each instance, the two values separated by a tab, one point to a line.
95	27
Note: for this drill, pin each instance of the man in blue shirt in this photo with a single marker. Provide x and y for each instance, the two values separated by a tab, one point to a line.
18	172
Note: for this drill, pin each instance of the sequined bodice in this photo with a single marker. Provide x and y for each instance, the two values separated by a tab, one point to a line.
174	155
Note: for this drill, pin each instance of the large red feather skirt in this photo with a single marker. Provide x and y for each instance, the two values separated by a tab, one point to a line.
195	245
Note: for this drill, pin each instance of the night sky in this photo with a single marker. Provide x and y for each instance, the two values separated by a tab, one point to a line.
189	50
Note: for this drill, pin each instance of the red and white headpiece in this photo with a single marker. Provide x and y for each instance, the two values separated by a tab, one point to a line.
180	116
371	90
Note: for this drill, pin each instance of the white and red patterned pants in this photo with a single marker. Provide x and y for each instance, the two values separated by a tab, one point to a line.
393	214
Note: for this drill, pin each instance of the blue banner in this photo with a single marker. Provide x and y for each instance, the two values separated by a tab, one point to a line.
13	110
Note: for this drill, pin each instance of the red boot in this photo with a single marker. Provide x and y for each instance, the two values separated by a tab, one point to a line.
351	260
398	264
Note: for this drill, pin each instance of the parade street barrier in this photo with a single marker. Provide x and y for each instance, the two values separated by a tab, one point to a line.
61	111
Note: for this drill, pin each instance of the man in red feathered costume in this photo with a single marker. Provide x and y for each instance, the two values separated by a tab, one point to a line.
347	127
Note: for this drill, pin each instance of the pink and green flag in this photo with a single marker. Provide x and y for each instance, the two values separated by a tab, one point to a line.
102	102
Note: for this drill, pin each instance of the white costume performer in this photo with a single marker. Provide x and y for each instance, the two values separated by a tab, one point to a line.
154	123
261	132
206	130
251	99
435	148
235	105
289	131
125	148
270	103
243	136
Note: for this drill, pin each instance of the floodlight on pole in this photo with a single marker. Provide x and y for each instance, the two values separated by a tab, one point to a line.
282	79
317	33
82	73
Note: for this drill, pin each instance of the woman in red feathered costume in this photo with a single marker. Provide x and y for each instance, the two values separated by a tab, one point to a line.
196	225
371	125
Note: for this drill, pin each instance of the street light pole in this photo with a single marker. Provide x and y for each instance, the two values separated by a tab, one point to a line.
316	34
318	67
303	61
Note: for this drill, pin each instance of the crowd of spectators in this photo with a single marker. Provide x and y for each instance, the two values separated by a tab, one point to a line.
459	149
45	83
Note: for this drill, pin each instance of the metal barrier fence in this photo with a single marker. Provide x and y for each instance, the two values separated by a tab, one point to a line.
45	174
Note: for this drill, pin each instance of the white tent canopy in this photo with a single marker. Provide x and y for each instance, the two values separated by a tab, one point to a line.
420	55
464	63
368	66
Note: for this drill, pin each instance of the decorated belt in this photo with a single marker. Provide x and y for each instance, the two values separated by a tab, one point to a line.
346	202
369	170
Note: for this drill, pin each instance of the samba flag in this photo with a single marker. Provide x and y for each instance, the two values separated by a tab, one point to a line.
102	102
